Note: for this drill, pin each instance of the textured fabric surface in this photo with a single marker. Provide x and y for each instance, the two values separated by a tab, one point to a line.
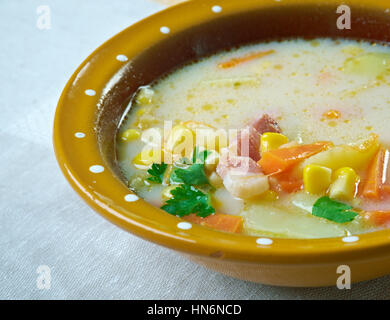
42	221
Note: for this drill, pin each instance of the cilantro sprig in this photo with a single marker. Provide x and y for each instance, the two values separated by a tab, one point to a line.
186	200
333	210
157	172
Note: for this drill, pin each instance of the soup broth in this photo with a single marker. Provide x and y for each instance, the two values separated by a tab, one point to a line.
297	139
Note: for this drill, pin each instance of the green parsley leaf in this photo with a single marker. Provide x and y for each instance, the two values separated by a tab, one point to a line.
186	200
333	210
193	175
157	172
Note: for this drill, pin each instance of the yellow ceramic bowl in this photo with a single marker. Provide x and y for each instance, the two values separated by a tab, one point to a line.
95	98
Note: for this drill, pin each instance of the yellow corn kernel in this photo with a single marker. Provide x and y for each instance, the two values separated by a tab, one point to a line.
356	155
272	140
180	141
145	96
316	179
130	135
147	157
344	186
215	180
166	193
269	195
141	111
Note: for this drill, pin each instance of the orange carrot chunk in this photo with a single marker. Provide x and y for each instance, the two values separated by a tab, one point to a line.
251	56
375	179
218	221
286	181
378	218
279	160
290	185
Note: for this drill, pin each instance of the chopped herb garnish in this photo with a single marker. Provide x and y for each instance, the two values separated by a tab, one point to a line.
192	175
186	200
333	210
157	172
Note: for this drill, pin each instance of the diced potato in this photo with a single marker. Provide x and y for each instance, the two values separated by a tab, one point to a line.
147	157
292	218
272	140
369	64
224	202
145	96
215	180
344	186
130	135
246	186
316	179
302	200
355	155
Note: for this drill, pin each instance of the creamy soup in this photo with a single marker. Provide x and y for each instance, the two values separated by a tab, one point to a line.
285	139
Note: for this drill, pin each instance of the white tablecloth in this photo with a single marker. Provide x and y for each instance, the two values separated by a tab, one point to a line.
42	220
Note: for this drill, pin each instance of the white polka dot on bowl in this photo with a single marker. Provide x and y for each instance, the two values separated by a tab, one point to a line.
79	135
264	241
90	92
121	57
131	197
165	30
216	9
184	225
350	239
96	168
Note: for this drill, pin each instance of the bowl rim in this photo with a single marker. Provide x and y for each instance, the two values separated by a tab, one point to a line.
80	160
